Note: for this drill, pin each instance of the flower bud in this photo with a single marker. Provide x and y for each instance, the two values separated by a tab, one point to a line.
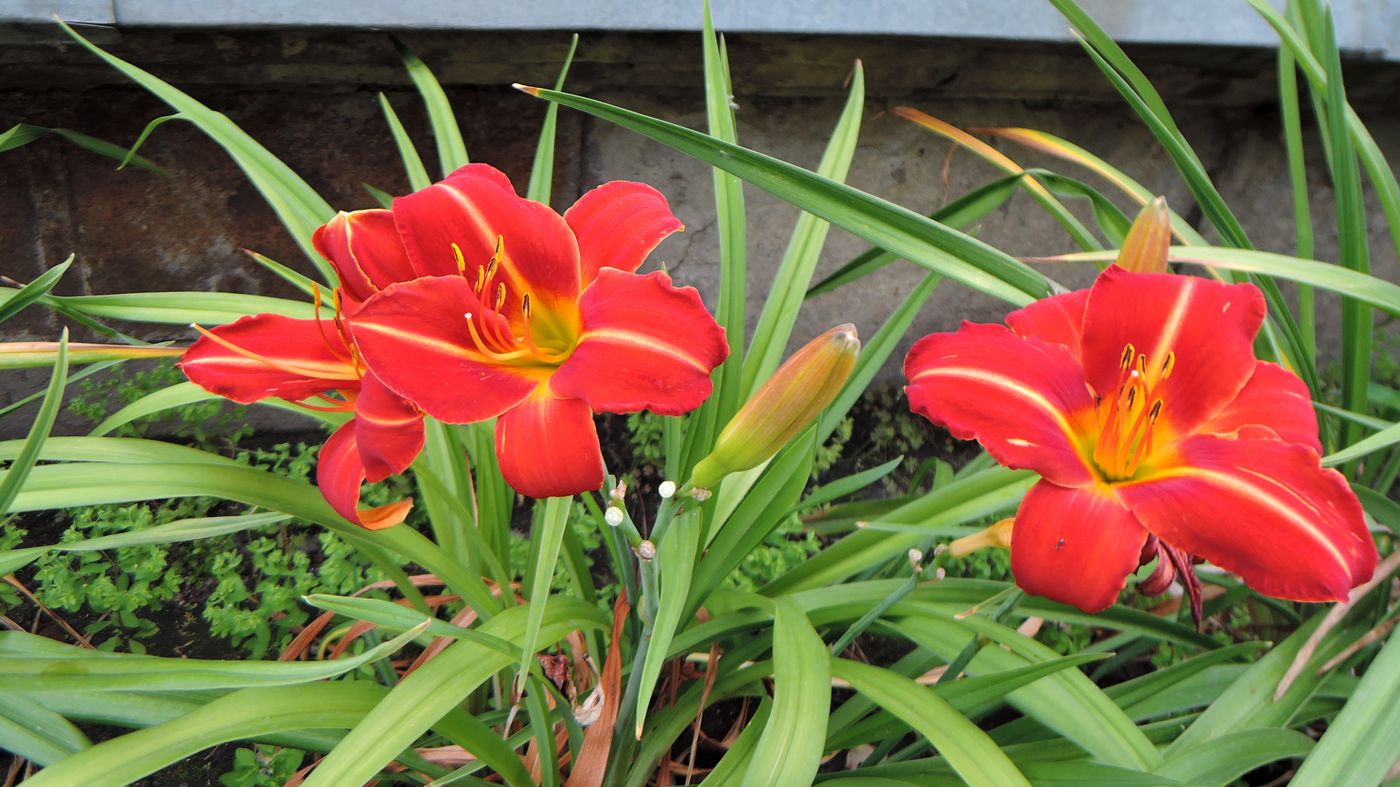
613	516
1145	248
998	535
786	404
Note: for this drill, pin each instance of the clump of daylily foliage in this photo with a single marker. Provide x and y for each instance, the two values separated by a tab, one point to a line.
1160	454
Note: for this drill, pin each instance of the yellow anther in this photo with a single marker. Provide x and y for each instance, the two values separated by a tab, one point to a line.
461	259
525	305
500	295
1129	351
1168	364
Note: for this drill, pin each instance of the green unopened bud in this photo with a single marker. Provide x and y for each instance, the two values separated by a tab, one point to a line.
788	403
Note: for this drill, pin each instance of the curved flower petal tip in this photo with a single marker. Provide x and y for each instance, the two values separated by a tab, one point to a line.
268	355
1273	398
1058	319
1024	400
365	250
1265	510
388	428
645	345
470	223
484	171
416	338
548	447
339	473
1075	546
1145	247
1194	336
618	224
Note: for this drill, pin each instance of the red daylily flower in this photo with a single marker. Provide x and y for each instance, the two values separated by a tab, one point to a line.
538	319
1157	434
269	355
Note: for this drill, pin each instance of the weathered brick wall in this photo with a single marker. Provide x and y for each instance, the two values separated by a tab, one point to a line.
310	98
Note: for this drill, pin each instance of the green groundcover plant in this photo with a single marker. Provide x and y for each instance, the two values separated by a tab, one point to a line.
1170	426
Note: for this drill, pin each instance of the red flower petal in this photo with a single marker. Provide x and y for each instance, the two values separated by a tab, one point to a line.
618	224
1076	546
338	476
548	447
477	170
1024	400
1274	398
473	209
1058	319
1263	509
645	345
414	337
365	250
1208	325
268	355
389	430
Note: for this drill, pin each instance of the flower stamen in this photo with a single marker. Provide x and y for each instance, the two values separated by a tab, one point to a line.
1126	422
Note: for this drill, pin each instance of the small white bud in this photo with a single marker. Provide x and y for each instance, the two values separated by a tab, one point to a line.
666	490
700	493
618	492
646	550
916	557
613	516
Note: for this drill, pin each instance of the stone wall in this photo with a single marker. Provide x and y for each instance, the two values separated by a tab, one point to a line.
310	98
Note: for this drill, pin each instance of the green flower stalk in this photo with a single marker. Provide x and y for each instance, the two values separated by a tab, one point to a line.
787	403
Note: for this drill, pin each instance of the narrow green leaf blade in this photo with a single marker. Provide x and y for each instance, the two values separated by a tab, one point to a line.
34	290
676	562
1363	741
412	163
884	224
542	169
23	463
968	749
451	149
790	749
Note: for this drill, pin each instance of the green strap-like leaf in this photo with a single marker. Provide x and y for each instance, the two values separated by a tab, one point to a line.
676	560
451	149
884	224
1363	742
24	133
542	170
968	749
183	308
1225	759
794	276
36	733
412	163
299	207
34	290
29	451
435	688
81	671
790	748
547	538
